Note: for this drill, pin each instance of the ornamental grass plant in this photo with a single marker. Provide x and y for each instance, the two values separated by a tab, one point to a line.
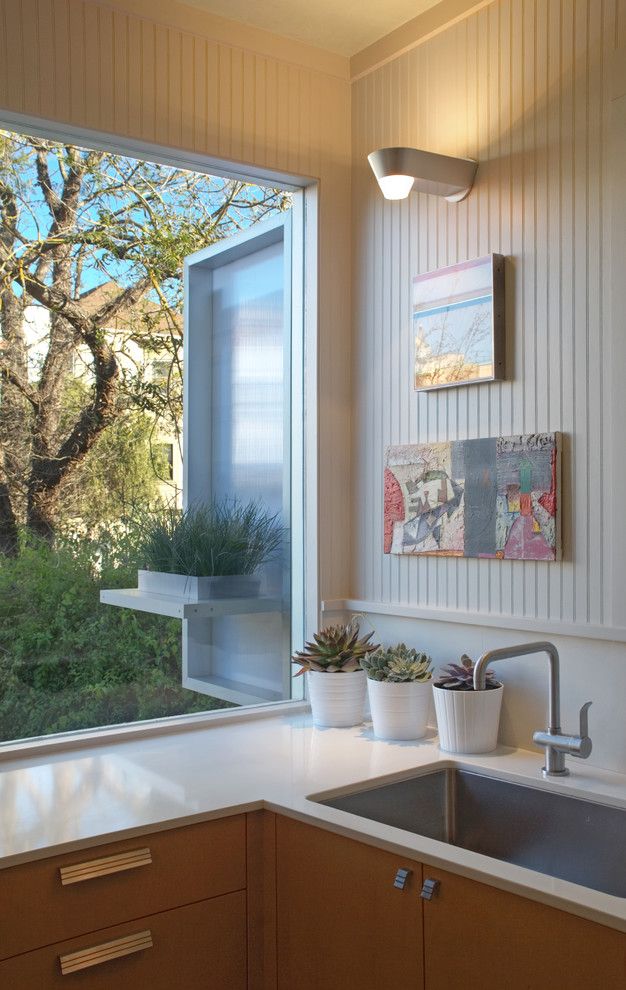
213	539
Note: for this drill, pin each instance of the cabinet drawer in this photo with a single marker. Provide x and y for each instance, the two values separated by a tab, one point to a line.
94	888
201	945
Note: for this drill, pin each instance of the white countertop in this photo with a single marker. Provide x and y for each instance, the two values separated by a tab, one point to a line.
73	799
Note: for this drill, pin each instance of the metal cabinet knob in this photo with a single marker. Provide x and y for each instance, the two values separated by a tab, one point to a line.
401	878
430	887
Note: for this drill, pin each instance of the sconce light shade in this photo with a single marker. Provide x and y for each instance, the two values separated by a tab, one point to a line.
398	170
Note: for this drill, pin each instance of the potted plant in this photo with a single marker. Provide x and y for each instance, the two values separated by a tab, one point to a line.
398	684
210	550
467	719
335	680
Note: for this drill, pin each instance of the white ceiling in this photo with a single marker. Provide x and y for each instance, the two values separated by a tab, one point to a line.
341	26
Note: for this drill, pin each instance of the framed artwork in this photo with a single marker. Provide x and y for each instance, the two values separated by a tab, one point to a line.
496	498
458	324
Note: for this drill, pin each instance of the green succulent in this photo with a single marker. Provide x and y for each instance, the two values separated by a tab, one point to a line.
397	664
409	670
460	676
335	650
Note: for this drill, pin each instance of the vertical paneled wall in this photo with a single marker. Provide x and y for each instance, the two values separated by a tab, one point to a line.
100	66
523	87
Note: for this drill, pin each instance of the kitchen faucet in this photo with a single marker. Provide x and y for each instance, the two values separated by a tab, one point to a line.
555	743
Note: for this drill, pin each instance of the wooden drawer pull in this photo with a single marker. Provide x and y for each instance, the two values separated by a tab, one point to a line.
99	954
103	867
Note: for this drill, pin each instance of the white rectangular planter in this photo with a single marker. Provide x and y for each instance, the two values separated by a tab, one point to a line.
198	589
468	721
399	710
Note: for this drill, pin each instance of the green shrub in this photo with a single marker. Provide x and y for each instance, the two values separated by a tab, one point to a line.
66	661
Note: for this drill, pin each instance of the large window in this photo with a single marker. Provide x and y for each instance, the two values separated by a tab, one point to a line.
105	350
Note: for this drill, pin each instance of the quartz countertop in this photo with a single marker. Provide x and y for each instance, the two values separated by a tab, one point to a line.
73	799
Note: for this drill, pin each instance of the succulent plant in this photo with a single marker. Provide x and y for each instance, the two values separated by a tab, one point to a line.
397	664
335	650
460	676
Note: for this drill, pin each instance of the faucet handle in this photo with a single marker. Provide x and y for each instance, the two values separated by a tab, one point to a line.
583	745
584	720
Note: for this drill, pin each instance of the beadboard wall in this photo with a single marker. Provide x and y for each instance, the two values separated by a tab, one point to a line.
164	72
524	87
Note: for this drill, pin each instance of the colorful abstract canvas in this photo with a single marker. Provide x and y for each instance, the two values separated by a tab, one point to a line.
458	323
495	498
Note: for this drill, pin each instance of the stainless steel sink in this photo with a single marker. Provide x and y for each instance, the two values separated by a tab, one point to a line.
563	836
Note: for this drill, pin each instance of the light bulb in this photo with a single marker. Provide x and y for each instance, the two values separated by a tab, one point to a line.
395	186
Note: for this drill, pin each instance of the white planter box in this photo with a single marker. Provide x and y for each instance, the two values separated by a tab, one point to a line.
198	589
468	720
399	711
337	699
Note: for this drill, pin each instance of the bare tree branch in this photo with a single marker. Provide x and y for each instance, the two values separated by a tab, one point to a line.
7	374
43	176
128	297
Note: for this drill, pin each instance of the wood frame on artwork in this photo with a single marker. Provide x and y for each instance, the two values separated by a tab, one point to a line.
457	324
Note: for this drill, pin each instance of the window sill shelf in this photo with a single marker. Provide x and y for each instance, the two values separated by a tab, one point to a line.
178	608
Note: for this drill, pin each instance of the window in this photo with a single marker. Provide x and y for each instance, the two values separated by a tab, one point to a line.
241	395
95	369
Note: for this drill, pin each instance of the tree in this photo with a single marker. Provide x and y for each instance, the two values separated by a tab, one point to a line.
97	240
119	478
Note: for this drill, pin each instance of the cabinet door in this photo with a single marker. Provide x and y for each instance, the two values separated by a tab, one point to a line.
341	921
199	946
479	938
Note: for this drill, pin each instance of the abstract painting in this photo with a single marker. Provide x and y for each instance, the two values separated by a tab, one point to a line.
495	498
458	324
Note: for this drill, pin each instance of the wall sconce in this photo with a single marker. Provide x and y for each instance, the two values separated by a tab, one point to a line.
398	170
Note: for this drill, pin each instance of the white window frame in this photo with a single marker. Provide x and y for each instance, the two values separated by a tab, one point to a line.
305	308
200	673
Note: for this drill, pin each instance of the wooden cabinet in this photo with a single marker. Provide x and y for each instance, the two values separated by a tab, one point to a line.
479	938
264	902
58	898
163	910
200	945
341	923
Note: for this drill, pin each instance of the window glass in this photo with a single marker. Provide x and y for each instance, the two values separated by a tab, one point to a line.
91	438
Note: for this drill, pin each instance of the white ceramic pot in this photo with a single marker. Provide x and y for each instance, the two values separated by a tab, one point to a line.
337	699
468	720
197	589
399	711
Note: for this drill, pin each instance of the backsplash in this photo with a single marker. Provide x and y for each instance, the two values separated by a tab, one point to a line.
590	671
